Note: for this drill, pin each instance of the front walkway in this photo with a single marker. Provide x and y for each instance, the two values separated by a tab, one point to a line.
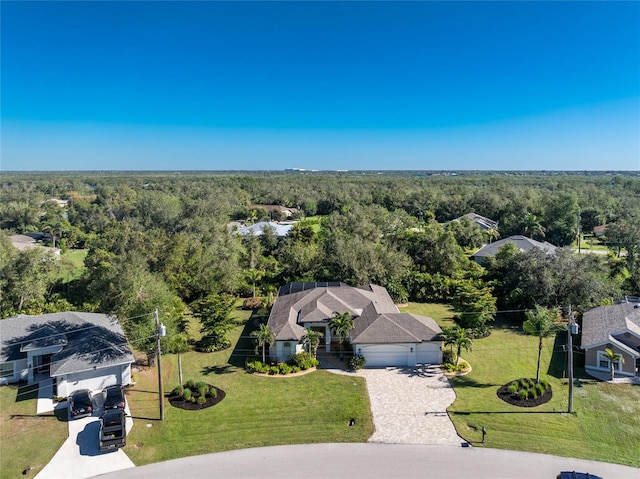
409	405
606	377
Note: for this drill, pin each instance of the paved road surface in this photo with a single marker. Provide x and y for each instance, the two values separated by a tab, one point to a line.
372	461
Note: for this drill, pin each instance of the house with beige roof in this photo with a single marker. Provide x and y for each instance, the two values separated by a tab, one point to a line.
381	334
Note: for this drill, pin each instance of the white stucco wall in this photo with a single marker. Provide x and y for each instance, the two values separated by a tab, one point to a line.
94	379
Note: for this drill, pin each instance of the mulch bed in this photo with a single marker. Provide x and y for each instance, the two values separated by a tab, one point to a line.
177	401
506	396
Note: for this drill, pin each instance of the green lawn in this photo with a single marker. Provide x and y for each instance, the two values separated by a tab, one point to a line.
605	425
257	411
72	264
26	440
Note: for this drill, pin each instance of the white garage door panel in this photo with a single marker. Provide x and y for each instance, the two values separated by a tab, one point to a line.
382	355
93	380
428	353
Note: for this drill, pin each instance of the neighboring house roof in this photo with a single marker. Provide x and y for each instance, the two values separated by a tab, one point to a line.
600	230
484	223
284	209
256	229
88	340
24	242
522	242
609	324
376	317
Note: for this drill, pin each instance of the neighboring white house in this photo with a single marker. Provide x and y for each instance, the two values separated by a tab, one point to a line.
78	350
383	335
256	229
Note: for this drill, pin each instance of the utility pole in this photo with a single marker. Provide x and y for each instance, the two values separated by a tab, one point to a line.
160	331
579	221
570	352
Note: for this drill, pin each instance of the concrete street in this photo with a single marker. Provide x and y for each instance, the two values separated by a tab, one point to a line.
373	461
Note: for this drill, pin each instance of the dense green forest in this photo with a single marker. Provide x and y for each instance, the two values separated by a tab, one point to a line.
156	239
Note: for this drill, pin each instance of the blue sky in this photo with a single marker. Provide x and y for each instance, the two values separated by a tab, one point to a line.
320	85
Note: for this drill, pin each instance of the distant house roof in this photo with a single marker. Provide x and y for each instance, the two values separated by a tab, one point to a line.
484	223
600	230
28	241
376	317
609	324
522	242
88	340
284	209
256	229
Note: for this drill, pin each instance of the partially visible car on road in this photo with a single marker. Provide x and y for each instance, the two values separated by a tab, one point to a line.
80	403
576	475
113	397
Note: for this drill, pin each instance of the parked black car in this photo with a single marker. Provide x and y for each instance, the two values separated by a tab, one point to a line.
113	397
113	433
80	403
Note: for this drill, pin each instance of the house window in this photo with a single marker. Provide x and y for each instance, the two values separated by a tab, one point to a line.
603	362
6	370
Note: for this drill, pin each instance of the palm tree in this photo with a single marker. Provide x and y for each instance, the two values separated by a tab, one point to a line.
254	275
263	336
532	226
311	339
342	324
457	336
613	358
540	323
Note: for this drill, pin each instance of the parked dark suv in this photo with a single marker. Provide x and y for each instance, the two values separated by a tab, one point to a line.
80	403
113	397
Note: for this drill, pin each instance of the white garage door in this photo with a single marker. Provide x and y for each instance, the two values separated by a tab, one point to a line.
382	355
428	353
92	380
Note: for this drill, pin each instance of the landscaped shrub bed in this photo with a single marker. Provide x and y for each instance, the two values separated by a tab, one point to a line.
525	392
297	362
195	395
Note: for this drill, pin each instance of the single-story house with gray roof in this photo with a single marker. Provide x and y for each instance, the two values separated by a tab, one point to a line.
381	334
78	350
522	243
615	327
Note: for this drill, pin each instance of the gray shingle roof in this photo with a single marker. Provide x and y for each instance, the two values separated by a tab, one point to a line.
394	328
257	228
377	319
88	340
522	242
599	323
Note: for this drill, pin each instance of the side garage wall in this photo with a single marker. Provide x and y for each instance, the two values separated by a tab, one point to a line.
94	379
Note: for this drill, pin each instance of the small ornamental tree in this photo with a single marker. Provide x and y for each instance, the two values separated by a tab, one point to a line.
263	336
540	323
342	324
310	340
612	358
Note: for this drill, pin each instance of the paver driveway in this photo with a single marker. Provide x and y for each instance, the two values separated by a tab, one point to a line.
409	405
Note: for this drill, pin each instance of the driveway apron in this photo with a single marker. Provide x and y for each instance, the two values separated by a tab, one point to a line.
79	456
409	405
